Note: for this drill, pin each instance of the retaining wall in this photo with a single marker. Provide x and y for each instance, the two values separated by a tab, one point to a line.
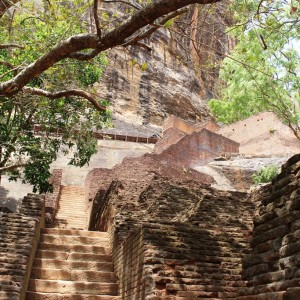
19	236
272	271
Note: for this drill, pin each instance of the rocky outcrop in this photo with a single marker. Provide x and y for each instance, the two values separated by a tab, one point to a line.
176	76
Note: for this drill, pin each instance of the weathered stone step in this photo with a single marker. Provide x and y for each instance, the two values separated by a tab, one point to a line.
75	248
75	209
55	231
76	220
65	219
74	265
73	275
70	214
73	256
76	287
57	296
73	240
66	226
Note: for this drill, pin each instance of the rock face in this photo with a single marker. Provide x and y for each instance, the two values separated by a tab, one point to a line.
172	78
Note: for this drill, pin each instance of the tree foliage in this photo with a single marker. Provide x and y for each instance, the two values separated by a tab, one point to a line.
64	122
263	71
44	74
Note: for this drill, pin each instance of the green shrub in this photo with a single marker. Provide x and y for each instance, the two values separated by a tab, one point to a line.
265	174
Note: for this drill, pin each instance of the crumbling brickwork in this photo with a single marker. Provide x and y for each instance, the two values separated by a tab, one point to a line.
19	235
272	269
177	240
136	174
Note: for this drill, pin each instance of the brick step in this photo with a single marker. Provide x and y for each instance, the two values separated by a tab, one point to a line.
73	203
73	275
76	287
78	217
75	248
75	217
64	220
73	265
66	226
98	234
73	240
72	198
57	296
73	256
64	210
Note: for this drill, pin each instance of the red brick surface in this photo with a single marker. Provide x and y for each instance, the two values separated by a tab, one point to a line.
196	148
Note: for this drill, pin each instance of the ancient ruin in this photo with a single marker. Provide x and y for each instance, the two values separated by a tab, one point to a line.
152	228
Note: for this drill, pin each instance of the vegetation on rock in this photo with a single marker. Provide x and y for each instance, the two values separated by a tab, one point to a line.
265	174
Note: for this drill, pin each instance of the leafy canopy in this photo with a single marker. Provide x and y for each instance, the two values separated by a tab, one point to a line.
263	71
64	123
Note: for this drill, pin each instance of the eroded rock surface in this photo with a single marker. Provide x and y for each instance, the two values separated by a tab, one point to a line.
176	77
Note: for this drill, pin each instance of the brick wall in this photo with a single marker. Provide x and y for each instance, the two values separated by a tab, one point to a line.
171	136
128	260
198	147
178	123
272	270
19	235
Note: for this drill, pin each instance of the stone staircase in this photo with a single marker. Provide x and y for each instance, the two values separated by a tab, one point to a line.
72	264
71	210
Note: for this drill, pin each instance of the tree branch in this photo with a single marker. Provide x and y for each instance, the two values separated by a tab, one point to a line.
5	5
8	46
84	56
71	47
66	93
124	2
12	167
96	18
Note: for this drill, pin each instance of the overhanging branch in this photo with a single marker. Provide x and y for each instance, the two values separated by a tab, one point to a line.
73	46
66	93
12	167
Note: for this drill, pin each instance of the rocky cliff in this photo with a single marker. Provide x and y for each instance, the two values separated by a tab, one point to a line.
176	75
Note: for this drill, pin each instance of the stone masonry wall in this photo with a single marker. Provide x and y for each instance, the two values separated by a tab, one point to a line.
129	266
272	270
19	235
177	240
